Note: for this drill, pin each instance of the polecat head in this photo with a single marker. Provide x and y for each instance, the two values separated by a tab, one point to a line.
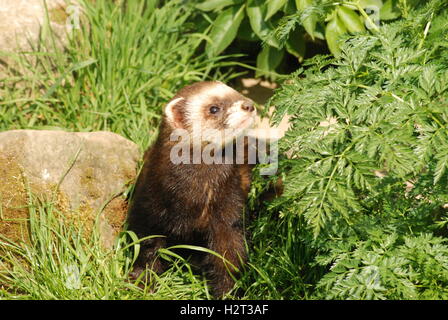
207	108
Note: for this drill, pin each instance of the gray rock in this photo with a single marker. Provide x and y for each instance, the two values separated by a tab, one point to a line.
25	26
84	172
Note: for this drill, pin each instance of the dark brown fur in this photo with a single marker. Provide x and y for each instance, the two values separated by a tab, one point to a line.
196	204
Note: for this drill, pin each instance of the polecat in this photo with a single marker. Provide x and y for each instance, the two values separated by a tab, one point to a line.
195	202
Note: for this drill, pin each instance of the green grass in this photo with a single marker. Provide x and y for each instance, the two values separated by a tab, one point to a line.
62	262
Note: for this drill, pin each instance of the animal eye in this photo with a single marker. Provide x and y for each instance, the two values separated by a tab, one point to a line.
214	109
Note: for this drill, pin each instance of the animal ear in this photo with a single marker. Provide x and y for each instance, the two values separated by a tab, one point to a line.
175	112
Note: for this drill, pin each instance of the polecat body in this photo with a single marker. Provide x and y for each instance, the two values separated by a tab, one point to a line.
195	203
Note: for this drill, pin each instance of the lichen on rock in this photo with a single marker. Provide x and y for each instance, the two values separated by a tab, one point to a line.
81	174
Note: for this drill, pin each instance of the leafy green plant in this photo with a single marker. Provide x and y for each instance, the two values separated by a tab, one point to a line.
367	163
283	26
382	108
387	267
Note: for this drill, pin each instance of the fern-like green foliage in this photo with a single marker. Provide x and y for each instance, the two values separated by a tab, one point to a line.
387	267
368	158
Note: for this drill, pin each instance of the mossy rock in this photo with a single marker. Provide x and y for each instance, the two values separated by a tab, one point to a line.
83	174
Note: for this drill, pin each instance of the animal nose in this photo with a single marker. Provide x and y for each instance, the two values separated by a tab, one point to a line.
249	107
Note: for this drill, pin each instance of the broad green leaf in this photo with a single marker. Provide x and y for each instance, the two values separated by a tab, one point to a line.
296	44
256	11
225	29
389	11
351	19
210	5
332	32
372	4
303	4
309	23
273	7
269	58
245	31
372	9
290	8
